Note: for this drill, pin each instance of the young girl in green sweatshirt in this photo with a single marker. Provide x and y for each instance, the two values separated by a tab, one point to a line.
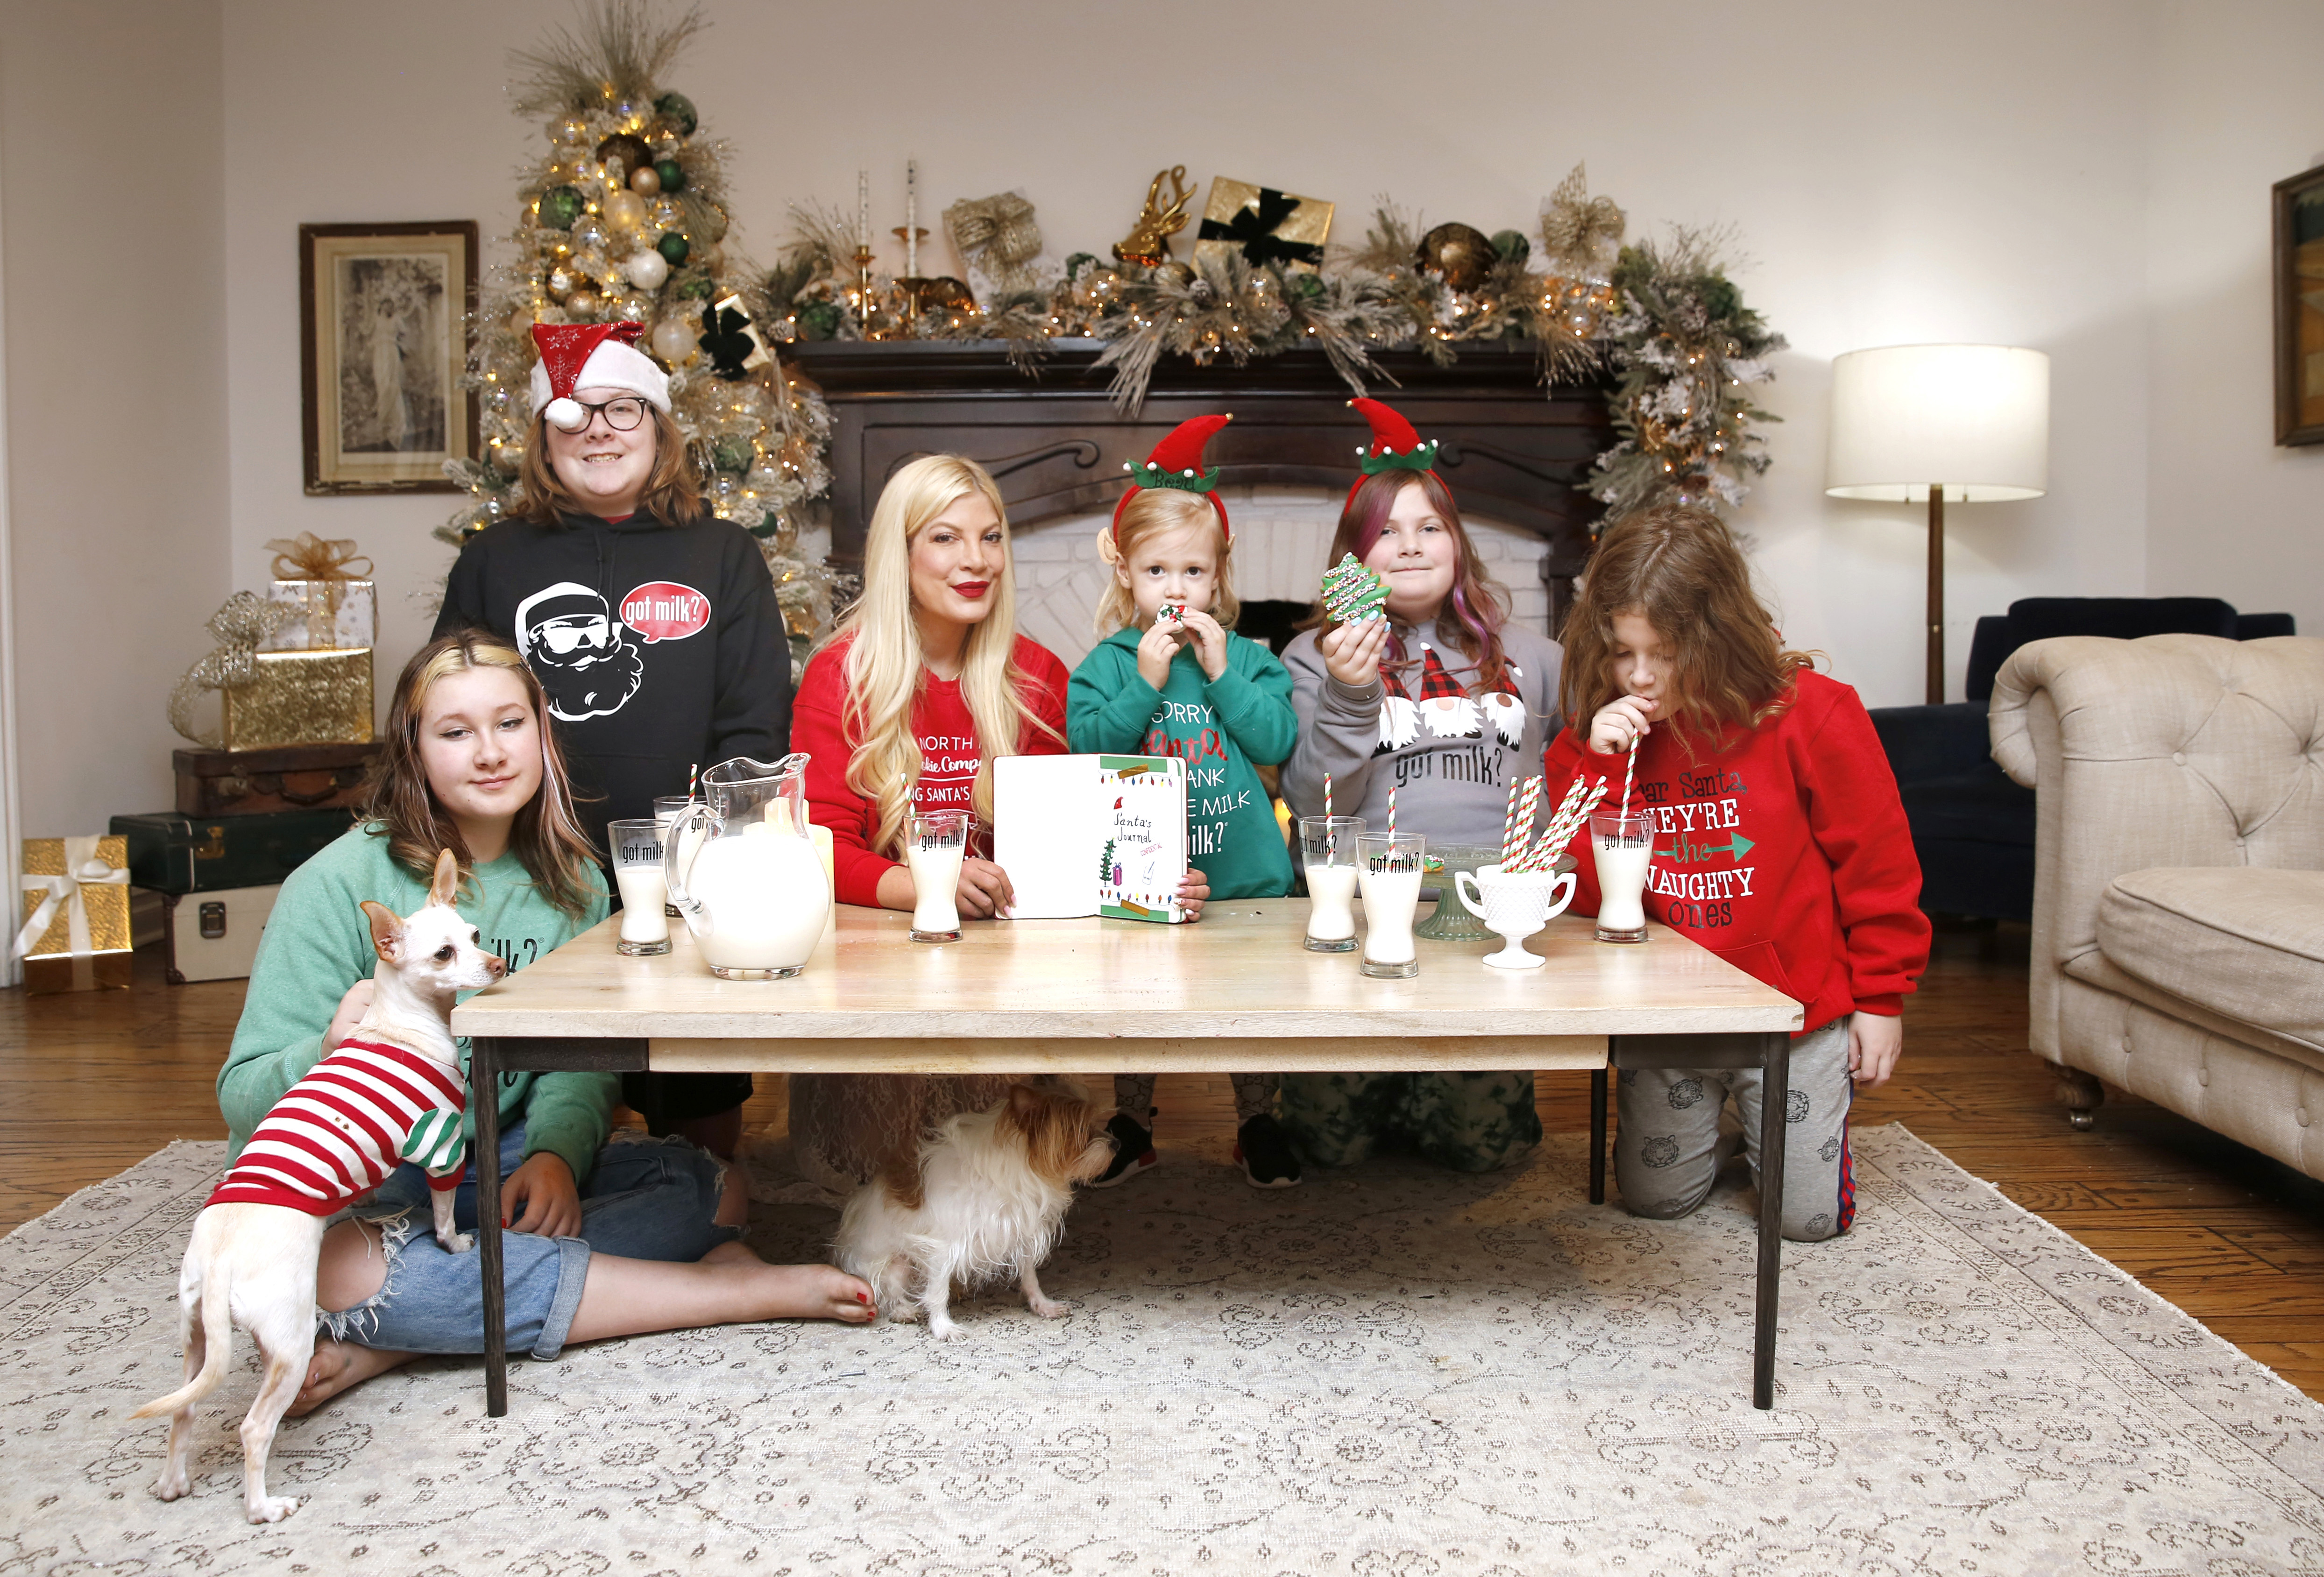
606	1240
1172	678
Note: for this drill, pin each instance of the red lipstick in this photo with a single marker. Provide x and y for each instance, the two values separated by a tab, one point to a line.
971	589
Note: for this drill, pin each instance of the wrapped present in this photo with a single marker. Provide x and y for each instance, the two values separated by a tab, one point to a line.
300	697
75	936
326	584
1266	226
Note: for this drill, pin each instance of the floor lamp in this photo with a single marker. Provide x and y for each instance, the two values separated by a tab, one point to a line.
1958	423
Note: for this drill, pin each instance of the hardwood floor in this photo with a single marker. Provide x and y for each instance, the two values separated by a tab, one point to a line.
97	1081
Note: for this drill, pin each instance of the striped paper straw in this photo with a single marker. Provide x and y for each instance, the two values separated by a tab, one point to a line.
1391	812
692	769
1509	826
1629	771
1327	796
1529	801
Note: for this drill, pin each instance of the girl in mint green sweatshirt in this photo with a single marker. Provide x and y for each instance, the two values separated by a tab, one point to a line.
1172	679
606	1240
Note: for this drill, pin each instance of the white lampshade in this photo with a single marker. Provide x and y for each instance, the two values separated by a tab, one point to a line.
1974	419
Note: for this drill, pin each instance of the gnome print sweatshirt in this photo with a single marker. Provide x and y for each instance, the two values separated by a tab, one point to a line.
661	648
1224	729
1424	727
1785	851
949	759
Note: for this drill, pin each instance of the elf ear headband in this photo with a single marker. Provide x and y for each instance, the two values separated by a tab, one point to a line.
1177	462
1394	445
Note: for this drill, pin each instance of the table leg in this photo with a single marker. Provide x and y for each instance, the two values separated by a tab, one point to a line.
485	1100
1597	1136
1775	1099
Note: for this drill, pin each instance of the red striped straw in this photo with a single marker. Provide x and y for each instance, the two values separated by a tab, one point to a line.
1509	826
691	770
1327	796
1391	812
1529	801
1629	770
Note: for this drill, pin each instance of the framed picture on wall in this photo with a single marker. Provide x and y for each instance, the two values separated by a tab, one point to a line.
2300	308
382	337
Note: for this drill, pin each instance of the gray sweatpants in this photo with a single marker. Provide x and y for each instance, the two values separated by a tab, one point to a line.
1676	1133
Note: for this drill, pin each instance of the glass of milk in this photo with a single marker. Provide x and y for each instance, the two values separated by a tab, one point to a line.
1388	870
637	871
935	844
667	807
1625	846
1327	849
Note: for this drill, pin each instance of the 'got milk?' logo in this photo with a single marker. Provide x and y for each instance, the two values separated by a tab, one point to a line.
663	610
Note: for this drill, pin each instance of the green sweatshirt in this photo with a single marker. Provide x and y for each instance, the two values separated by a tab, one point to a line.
317	944
1223	729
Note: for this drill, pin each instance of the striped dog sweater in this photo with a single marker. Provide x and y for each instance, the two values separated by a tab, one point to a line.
337	1132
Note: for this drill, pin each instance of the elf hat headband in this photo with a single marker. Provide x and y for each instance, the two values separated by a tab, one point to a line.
1395	446
590	356
1177	462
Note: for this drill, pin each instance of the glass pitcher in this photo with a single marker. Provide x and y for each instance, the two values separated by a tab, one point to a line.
743	870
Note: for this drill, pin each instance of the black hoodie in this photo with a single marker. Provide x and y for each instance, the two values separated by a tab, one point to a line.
661	647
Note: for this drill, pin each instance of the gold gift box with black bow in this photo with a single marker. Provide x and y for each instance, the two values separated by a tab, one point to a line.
1265	224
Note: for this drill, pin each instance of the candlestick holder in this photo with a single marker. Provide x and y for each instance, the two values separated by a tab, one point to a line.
862	261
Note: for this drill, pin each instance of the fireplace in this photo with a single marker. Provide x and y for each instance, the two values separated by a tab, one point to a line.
1515	454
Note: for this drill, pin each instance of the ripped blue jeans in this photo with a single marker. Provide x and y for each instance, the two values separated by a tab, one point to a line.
645	1199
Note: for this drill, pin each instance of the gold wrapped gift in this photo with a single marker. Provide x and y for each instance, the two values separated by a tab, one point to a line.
74	931
329	615
302	698
1266	226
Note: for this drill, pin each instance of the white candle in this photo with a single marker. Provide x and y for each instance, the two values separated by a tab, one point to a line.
863	209
912	218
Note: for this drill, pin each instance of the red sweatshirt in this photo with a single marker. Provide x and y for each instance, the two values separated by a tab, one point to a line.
1787	853
949	762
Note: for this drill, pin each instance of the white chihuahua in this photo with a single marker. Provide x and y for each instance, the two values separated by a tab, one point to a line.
390	1092
982	1197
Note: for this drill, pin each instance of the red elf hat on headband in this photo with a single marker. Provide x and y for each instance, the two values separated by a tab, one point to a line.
590	356
1395	446
1177	462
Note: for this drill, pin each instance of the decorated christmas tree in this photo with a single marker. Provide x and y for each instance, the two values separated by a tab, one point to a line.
623	218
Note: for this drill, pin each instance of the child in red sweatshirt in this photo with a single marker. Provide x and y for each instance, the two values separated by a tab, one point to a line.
1779	845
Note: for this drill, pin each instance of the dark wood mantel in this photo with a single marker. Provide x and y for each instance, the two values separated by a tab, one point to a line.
1055	443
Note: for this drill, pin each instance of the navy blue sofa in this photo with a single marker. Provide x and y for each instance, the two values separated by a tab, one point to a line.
1972	827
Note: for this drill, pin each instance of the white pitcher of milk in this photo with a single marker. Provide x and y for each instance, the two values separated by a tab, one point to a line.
754	893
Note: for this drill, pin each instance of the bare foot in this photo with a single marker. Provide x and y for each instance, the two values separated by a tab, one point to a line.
336	1367
798	1292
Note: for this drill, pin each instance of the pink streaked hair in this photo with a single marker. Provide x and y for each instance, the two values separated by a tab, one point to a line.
1476	602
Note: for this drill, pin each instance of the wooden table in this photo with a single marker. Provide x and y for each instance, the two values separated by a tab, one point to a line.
1235	993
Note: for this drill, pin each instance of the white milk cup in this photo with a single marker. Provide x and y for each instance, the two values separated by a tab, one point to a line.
1515	906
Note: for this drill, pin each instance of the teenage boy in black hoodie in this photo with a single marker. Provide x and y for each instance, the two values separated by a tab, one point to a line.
652	623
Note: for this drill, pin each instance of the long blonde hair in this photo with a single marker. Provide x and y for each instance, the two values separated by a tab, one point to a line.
885	670
399	806
1153	511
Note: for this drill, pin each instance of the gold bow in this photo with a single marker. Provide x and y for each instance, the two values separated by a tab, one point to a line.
311	558
998	234
1578	229
241	625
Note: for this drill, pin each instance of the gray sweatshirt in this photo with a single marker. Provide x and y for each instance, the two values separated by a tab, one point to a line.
1450	758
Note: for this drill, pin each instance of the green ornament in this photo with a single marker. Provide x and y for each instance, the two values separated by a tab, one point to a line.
692	287
733	454
819	320
679	111
1511	245
673	248
561	206
1304	285
673	175
1076	262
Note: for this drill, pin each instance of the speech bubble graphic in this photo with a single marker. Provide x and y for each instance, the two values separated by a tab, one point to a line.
663	610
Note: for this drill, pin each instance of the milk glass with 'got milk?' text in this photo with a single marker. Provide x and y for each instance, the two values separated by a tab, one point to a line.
1327	851
1389	869
936	842
1624	846
645	892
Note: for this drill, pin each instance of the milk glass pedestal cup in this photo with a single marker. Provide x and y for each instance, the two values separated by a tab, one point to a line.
1624	846
936	842
1388	868
1516	904
666	809
1327	852
645	892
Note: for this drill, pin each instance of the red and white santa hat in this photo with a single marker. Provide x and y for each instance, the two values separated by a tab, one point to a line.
590	356
1177	462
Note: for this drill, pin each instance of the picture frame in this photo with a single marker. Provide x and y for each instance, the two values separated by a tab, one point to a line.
383	341
2299	281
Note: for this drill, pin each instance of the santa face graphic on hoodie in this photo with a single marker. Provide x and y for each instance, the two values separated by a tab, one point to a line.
580	652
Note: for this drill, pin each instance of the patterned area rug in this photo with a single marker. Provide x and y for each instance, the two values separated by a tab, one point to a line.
1403	1373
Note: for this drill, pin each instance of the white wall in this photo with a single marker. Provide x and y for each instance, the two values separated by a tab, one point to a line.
111	120
2231	514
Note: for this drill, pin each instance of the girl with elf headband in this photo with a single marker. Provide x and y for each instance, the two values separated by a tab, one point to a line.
1444	701
1172	678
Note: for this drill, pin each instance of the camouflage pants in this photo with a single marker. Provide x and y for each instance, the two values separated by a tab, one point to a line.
1676	1134
1254	1095
1470	1123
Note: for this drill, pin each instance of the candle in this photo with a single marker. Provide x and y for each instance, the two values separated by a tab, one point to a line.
912	218
863	209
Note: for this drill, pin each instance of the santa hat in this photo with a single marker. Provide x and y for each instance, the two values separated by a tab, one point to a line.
1177	462
1395	446
590	356
1436	683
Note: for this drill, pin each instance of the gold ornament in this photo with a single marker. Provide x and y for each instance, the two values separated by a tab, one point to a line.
1148	241
1577	229
645	180
1460	255
626	210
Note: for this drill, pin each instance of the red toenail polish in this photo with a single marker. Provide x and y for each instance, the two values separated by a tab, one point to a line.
862	1299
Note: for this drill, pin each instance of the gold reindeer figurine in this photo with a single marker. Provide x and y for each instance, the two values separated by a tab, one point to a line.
1148	241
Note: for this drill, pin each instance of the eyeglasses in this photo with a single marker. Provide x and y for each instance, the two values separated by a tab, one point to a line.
621	415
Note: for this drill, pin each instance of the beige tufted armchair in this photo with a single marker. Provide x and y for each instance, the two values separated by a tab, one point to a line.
2179	875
